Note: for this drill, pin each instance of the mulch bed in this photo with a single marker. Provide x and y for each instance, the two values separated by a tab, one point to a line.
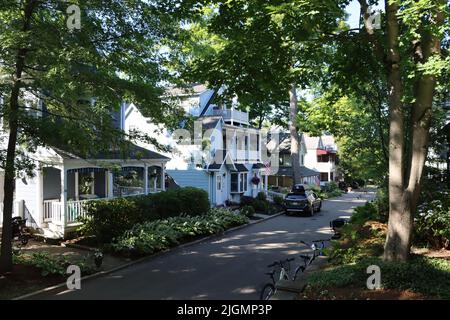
25	279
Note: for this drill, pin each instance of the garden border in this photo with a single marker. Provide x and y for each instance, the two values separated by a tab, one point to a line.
143	259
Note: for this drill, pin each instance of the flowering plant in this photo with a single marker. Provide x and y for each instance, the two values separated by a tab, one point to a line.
255	180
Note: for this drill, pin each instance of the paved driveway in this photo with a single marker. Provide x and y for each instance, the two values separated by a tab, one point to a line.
229	267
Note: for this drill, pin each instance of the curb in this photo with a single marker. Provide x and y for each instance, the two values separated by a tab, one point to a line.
143	259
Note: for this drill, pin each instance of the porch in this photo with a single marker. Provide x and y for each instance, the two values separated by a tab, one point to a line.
64	190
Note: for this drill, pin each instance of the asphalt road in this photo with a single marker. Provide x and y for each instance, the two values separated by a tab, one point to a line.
229	267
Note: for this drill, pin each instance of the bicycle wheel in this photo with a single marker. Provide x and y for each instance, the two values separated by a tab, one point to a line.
299	269
267	291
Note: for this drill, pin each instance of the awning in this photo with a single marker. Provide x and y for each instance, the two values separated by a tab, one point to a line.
258	165
240	167
86	170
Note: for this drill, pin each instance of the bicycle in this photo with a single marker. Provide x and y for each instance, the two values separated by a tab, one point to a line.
269	289
19	230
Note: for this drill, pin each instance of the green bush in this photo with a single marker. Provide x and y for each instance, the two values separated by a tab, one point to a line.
107	219
189	200
110	218
261	206
248	211
247	201
261	196
153	236
278	200
50	265
365	213
432	224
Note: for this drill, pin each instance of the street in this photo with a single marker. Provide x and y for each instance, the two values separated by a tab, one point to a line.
228	267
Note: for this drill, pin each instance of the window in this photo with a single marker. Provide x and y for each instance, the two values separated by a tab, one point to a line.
324	176
323	158
219	182
239	182
285	160
243	182
234	182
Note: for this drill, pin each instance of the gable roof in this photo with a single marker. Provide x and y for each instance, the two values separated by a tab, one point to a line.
289	172
131	152
313	142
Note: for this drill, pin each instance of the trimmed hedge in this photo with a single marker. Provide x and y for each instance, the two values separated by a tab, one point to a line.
110	218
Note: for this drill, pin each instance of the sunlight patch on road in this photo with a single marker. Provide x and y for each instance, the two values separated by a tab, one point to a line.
227	239
271	233
245	290
222	255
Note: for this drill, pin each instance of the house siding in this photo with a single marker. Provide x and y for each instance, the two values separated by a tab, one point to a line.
190	178
26	190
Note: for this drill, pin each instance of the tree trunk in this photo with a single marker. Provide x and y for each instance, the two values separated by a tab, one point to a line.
399	230
295	140
403	207
10	172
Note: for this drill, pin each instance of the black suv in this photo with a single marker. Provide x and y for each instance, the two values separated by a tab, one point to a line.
302	201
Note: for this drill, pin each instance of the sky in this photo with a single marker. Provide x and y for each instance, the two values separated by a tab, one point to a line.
353	9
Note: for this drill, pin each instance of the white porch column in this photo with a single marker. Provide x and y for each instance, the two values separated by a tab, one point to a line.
163	174
145	178
40	196
110	184
266	183
64	196
77	186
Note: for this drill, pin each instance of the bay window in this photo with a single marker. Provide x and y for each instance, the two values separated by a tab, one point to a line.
239	182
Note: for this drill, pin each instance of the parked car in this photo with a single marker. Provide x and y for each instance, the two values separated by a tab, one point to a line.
355	185
307	202
298	188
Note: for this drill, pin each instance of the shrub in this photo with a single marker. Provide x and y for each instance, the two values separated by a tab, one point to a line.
248	211
261	196
107	219
153	236
50	265
278	200
189	200
110	218
365	213
261	206
247	201
432	224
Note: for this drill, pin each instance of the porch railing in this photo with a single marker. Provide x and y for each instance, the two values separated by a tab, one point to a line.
53	211
75	210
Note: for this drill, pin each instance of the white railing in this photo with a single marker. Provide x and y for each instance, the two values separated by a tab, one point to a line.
272	194
75	209
53	211
128	191
231	114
